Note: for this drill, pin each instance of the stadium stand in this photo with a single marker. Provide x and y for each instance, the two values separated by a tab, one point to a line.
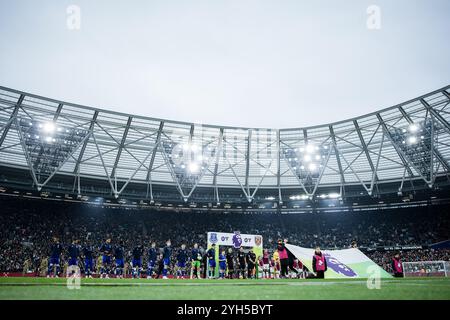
28	227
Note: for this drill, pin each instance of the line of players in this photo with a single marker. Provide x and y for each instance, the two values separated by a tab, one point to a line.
242	265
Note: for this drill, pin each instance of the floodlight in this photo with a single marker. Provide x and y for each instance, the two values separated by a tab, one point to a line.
49	127
412	140
310	148
333	195
193	167
413	127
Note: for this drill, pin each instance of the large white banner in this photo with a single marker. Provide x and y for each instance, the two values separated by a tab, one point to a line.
345	263
235	240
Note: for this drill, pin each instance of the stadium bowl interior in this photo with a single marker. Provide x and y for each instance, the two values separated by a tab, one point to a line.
398	156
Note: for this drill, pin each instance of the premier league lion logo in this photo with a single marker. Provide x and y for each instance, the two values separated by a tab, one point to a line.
339	267
213	237
237	240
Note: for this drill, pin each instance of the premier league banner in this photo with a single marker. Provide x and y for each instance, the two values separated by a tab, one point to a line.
235	240
346	263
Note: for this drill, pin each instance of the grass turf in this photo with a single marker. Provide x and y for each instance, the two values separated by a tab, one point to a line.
44	288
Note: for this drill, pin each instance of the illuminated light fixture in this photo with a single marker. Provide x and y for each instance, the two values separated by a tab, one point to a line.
193	167
413	127
323	196
270	198
317	157
185	147
48	139
194	147
334	195
307	158
412	140
49	127
302	167
312	166
310	148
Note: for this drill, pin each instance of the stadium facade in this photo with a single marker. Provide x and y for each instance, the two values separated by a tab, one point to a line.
396	156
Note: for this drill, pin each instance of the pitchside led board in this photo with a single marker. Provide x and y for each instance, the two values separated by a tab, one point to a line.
235	240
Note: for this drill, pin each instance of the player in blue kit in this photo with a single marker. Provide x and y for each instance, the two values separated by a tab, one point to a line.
152	256
222	264
118	259
74	253
55	254
167	253
106	250
182	257
136	263
88	260
211	254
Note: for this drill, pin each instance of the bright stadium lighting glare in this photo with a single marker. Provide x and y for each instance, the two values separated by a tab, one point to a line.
323	196
412	140
195	147
185	147
49	127
270	198
312	166
317	157
193	167
307	158
333	195
310	148
413	127
48	139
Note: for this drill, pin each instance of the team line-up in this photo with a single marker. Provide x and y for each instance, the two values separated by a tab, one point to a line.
163	263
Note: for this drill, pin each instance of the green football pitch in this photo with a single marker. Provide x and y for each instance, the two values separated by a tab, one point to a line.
45	288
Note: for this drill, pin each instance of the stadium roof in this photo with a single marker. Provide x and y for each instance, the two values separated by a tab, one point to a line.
47	138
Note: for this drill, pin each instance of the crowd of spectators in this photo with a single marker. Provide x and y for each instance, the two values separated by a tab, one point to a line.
28	226
384	258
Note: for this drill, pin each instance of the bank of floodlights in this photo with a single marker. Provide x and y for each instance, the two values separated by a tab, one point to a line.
48	144
415	142
307	161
